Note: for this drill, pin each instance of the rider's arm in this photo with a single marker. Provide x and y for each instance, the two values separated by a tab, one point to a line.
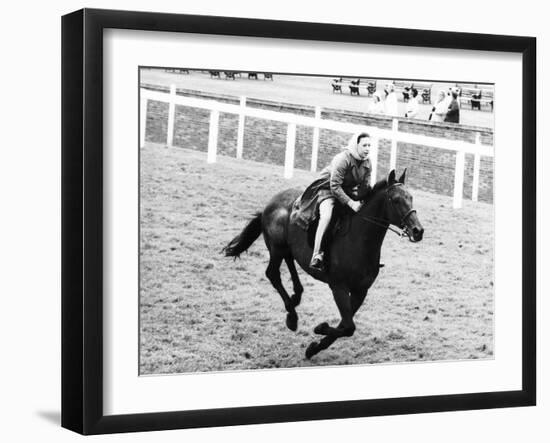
339	167
363	190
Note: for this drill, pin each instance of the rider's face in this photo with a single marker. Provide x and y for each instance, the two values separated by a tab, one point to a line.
363	147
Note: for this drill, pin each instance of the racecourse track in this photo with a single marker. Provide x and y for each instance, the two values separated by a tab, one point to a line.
200	311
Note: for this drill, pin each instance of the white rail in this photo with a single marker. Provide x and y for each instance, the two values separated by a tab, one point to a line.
460	147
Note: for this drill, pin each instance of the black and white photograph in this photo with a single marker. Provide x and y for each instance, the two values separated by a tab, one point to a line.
272	222
294	220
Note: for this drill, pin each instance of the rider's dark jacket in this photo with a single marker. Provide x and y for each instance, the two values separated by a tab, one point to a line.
336	180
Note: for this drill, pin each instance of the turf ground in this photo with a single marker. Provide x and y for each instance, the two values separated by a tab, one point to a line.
200	311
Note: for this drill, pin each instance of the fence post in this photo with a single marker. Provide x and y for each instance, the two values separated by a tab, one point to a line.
393	153
213	136
374	159
142	118
315	147
171	116
240	133
459	180
477	160
289	152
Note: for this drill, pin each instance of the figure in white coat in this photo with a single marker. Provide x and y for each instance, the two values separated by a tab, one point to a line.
390	104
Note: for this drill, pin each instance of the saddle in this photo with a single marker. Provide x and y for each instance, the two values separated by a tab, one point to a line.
339	224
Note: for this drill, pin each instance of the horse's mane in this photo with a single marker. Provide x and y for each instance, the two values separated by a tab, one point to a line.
372	191
381	184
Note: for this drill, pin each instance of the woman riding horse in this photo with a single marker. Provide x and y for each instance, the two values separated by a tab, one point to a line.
354	259
348	170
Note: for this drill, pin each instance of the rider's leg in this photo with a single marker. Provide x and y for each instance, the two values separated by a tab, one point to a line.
325	214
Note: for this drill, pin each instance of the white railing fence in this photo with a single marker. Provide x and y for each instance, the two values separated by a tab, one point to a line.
460	147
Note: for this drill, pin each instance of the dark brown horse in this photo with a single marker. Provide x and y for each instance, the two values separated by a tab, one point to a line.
353	258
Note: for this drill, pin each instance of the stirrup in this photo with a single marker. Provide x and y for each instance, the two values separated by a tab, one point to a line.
317	262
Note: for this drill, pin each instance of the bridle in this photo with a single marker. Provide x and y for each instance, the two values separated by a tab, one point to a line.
407	214
384	223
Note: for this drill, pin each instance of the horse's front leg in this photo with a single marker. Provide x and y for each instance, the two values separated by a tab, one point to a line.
356	300
345	328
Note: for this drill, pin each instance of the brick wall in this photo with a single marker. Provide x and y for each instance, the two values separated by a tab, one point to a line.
429	168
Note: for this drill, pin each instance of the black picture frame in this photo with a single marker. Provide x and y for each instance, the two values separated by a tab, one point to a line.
82	218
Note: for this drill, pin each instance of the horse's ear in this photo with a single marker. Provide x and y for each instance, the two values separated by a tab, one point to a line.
402	178
391	177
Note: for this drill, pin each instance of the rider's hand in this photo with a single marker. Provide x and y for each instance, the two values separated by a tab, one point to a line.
355	205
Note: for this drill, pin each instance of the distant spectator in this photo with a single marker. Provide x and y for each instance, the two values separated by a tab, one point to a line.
406	93
448	97
453	110
390	104
412	105
439	111
377	105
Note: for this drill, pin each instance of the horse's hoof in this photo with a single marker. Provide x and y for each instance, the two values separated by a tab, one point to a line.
292	321
312	349
321	328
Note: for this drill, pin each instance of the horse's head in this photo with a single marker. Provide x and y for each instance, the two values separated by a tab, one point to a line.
395	205
399	207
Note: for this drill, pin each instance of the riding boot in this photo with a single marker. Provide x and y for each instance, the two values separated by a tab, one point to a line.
325	214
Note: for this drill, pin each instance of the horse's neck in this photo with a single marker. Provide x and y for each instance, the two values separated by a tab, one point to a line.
370	223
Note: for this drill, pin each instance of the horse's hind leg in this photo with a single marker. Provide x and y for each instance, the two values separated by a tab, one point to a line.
273	273
296	283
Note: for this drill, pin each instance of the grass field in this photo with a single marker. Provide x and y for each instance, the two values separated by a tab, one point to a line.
305	90
200	311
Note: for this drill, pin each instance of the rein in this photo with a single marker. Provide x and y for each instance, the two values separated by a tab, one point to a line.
384	223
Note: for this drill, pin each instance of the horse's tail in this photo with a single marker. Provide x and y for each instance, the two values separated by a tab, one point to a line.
243	241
